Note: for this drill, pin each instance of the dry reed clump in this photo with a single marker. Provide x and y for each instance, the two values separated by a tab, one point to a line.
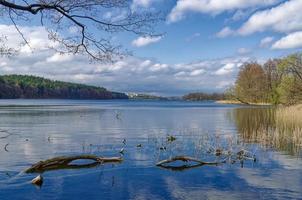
285	134
289	124
289	117
276	138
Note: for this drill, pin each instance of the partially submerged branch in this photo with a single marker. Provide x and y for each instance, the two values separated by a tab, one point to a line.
187	159
180	168
227	156
65	162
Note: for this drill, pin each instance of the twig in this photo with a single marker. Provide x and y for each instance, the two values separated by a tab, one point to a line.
18	30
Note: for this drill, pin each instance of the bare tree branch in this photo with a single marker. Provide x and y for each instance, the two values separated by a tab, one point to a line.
18	30
95	19
4	50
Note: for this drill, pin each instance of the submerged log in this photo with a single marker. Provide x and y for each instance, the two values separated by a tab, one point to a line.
180	168
186	159
64	162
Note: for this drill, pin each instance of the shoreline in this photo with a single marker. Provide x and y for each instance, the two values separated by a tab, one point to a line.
235	102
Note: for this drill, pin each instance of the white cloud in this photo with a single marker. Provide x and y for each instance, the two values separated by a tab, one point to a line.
224	84
145	63
291	41
212	7
137	5
57	57
243	51
197	72
266	42
37	38
239	14
115	15
286	17
225	32
131	74
158	67
143	41
192	37
226	69
74	30
2	64
141	3
181	73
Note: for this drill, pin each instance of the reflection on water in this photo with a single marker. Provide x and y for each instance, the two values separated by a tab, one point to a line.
34	130
251	119
271	127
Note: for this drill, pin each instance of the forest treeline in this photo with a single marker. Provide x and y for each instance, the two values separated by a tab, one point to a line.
278	81
201	96
32	87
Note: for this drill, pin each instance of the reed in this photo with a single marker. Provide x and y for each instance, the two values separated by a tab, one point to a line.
284	133
289	117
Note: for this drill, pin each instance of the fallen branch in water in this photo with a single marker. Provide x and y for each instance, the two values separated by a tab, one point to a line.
180	168
187	159
64	162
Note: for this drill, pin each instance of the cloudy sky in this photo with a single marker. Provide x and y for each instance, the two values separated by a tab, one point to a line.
204	46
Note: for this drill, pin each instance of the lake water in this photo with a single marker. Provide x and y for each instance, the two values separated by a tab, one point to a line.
34	130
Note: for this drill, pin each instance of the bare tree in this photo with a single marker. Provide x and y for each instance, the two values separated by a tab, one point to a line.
4	49
250	83
94	22
293	64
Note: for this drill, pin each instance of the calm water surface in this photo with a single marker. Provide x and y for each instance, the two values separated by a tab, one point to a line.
34	130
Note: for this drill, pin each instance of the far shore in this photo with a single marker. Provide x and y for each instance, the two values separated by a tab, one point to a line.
241	103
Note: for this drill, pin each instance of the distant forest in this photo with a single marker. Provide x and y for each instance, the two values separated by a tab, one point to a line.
200	96
32	87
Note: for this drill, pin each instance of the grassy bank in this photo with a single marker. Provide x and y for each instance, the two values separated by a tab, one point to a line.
241	103
228	102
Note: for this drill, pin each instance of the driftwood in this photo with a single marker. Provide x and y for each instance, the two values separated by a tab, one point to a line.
185	159
180	168
64	162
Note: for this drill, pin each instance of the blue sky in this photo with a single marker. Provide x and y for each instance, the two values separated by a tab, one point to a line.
194	37
204	45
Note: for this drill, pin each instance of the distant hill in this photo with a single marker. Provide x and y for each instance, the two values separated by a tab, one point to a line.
32	87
